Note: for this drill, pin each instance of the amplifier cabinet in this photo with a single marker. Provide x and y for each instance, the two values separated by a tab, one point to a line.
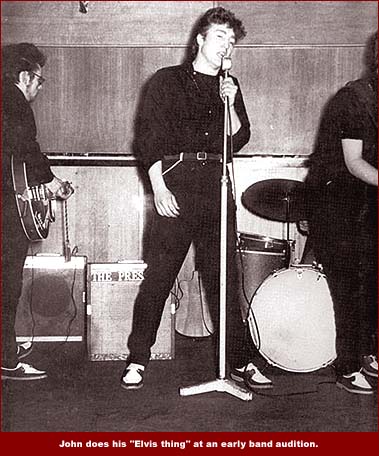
52	303
112	289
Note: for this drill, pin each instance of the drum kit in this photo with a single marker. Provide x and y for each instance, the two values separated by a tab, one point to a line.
288	307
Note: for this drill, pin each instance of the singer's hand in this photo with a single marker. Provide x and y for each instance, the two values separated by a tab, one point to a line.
164	200
165	203
228	89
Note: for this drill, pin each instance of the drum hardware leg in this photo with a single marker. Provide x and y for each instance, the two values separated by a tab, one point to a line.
219	385
288	251
290	243
288	246
287	255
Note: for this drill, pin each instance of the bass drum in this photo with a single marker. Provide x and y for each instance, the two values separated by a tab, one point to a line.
291	320
257	257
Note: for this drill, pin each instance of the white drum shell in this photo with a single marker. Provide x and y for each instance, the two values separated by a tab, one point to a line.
291	320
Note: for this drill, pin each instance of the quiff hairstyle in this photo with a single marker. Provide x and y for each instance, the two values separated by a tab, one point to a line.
217	15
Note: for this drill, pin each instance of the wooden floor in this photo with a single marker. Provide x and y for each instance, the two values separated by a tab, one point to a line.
85	396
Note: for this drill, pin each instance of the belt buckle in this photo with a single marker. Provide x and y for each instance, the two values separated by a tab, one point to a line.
201	156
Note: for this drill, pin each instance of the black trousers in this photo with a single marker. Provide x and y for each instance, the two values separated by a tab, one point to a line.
197	189
14	251
344	241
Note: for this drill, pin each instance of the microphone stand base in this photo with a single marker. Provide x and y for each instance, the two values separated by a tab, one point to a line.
219	385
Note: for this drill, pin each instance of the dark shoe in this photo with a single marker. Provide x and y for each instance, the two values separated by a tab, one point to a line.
23	350
22	372
354	383
370	366
252	377
132	377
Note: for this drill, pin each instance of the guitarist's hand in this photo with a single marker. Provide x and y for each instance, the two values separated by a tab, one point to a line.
60	189
65	191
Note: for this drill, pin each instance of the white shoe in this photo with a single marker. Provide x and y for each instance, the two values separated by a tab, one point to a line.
355	383
251	376
22	371
132	377
370	365
24	349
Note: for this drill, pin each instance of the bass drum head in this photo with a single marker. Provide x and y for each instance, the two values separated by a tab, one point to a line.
291	320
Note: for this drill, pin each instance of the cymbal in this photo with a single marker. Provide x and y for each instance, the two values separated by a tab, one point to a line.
282	200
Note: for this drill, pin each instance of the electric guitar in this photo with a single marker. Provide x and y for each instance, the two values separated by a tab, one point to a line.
35	206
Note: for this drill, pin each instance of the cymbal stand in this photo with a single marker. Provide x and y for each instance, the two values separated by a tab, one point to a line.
288	241
221	384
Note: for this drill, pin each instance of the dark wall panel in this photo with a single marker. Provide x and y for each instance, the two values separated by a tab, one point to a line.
285	91
90	100
106	23
295	56
298	23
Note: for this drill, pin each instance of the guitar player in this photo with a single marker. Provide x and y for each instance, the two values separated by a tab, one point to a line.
21	83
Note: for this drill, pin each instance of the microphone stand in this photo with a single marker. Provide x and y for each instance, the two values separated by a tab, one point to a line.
221	384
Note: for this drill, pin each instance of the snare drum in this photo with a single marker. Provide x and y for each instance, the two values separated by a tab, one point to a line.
291	320
257	257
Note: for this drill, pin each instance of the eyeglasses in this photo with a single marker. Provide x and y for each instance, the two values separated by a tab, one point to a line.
41	80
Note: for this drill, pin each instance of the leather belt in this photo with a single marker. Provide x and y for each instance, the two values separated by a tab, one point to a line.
194	156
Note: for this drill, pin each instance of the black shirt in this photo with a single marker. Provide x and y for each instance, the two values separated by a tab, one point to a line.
346	116
19	139
182	111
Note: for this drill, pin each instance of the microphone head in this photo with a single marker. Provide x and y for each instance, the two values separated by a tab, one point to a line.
226	63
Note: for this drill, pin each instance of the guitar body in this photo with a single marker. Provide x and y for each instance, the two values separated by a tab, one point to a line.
35	208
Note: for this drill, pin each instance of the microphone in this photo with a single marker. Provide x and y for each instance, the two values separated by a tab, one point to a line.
226	64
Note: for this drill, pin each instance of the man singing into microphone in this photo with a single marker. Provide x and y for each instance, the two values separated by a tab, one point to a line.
179	141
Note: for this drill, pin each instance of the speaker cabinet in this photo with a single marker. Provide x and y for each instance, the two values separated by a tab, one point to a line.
52	303
112	290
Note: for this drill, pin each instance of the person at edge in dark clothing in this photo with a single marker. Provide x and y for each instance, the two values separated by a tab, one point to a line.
22	80
343	231
180	144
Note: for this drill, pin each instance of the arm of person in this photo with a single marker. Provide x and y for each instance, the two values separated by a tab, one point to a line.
240	126
229	89
164	200
155	112
357	166
152	134
235	121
